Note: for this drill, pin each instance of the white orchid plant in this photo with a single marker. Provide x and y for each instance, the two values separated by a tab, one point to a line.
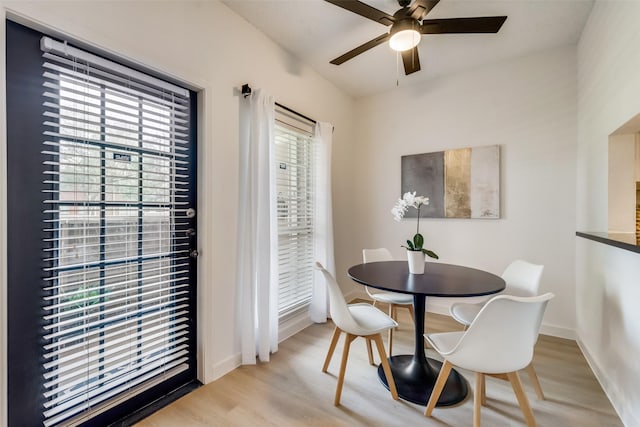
410	200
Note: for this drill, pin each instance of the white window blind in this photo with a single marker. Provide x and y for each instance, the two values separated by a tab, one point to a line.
116	290
295	161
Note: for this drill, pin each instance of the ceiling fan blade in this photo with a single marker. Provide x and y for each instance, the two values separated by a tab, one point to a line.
420	8
487	24
364	10
411	60
360	49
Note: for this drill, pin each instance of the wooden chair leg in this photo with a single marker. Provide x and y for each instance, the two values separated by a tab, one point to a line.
522	398
385	366
534	381
413	317
484	390
332	347
343	367
438	387
477	398
369	351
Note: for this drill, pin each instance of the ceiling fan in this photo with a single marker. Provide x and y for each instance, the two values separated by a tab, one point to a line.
407	25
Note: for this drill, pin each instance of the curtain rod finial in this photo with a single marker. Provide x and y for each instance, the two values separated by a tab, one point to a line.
246	90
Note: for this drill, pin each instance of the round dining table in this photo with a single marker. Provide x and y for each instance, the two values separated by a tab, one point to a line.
415	375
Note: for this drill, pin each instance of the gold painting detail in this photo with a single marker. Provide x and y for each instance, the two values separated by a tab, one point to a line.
457	183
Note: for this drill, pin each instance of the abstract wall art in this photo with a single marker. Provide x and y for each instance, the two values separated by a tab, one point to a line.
460	183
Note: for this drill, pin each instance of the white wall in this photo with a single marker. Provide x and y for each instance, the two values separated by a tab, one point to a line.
622	184
210	47
608	319
528	107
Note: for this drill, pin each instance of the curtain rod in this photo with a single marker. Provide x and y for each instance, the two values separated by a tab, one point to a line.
246	91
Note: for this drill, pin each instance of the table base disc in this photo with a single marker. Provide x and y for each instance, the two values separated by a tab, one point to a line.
415	381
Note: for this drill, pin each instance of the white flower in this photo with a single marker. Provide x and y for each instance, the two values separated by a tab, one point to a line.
398	211
410	200
420	200
400	208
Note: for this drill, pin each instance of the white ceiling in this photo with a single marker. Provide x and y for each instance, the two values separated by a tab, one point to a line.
316	32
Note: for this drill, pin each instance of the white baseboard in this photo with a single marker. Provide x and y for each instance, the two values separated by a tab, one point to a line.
558	331
227	365
287	329
625	411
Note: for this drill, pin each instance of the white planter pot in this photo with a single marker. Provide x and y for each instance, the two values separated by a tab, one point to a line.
416	262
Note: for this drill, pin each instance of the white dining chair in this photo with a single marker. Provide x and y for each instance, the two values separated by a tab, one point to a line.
522	279
395	300
499	342
356	320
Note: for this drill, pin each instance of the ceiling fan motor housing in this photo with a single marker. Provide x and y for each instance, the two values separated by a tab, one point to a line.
404	24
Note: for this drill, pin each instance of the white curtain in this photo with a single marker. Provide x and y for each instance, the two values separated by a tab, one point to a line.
324	221
258	291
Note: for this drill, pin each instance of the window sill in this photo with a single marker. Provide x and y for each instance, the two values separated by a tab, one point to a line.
626	241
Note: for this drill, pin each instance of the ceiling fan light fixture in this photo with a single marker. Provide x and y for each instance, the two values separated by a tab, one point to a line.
404	34
404	40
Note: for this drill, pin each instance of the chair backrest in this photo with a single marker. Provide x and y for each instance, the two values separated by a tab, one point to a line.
522	278
337	304
502	336
375	255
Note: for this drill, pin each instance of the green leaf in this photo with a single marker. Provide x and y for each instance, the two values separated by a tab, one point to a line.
418	241
430	253
410	245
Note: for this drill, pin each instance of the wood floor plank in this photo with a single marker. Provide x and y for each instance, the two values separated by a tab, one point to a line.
292	391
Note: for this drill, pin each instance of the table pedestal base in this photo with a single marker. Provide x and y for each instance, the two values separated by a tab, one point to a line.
415	380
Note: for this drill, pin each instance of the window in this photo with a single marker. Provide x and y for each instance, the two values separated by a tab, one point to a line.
295	163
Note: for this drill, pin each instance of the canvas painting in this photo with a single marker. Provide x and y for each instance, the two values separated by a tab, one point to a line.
461	183
424	174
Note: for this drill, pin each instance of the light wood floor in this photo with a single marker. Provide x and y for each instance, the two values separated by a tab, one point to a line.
292	391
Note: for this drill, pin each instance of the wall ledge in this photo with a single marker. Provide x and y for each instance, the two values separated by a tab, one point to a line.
626	241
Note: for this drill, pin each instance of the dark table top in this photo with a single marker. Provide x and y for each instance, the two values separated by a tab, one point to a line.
439	280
